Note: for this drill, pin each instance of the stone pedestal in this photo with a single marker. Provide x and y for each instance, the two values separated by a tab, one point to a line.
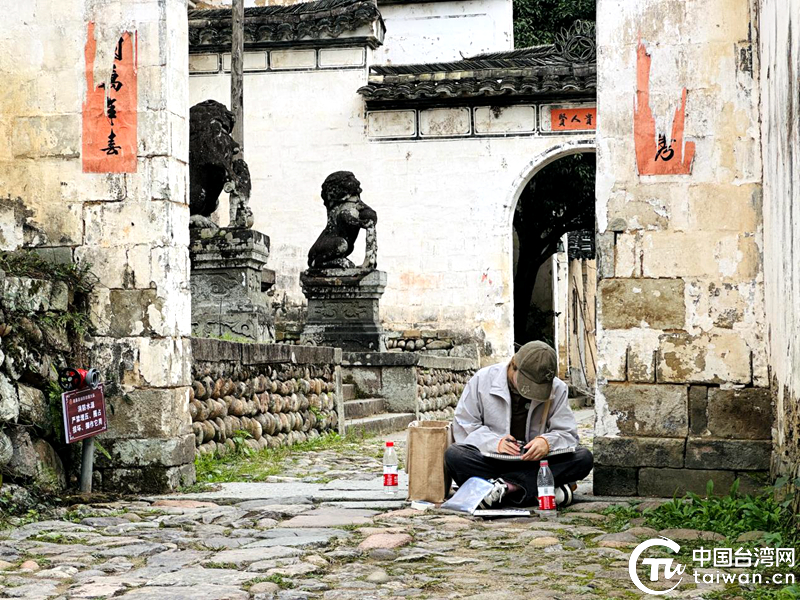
229	284
343	308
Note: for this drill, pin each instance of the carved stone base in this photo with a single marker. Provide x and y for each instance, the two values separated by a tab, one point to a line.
343	308
229	284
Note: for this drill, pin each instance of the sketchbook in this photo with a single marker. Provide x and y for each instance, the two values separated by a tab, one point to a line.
499	456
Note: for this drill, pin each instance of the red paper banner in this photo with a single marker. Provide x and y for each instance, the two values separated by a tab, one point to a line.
658	155
110	110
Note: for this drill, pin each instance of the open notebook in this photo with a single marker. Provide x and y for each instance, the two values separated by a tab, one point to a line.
499	456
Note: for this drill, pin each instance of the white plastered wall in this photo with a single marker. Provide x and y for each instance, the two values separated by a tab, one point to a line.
444	206
780	101
444	31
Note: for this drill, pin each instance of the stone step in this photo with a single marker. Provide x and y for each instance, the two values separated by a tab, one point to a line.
356	409
377	424
348	391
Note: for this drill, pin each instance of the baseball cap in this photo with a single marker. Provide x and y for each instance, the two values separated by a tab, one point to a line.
536	367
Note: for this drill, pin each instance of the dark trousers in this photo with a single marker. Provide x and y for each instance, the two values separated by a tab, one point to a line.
464	461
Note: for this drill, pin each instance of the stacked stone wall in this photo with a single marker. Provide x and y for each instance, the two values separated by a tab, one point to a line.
42	320
267	395
438	392
683	370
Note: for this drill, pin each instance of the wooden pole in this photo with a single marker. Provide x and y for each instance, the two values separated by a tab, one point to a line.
237	72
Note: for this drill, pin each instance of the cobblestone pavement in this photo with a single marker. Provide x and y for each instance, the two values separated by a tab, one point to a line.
323	529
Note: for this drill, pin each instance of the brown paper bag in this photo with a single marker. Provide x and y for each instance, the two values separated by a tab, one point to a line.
426	443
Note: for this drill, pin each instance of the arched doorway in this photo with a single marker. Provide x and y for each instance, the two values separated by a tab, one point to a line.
554	266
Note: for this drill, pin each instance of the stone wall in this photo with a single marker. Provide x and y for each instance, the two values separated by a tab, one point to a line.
681	341
42	319
424	385
779	35
278	394
438	392
125	213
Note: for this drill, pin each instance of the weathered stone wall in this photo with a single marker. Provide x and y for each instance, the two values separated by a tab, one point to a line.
41	321
779	35
131	224
683	363
280	395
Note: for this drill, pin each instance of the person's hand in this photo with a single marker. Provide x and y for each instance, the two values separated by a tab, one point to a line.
508	445
536	449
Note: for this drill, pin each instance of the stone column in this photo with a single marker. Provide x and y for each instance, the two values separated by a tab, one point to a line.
143	325
128	216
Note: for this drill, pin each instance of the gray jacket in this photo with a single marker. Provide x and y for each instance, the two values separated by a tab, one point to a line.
483	414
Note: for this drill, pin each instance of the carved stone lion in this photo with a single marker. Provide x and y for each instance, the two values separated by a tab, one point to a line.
347	215
214	166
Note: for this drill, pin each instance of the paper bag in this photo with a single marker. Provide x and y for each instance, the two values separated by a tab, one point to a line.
425	447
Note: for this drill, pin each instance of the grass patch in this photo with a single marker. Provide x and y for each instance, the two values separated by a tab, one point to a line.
278	580
221	565
619	517
729	515
31	264
248	465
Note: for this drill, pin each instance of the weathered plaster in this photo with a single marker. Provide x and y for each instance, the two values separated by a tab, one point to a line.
780	139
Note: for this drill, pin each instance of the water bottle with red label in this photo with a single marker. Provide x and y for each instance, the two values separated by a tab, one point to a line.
547	487
390	468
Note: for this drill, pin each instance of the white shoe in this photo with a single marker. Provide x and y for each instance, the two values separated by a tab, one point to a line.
495	495
564	495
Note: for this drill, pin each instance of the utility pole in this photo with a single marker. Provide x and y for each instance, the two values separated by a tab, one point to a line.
237	72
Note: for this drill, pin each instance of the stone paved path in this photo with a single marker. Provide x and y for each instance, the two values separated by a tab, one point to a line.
324	529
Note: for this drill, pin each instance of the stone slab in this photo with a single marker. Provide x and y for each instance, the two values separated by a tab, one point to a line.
639	451
205	592
649	410
339	490
745	455
740	414
668	482
634	303
615	481
330	517
249	555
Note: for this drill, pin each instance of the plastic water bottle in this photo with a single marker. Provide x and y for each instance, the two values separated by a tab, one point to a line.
547	489
390	468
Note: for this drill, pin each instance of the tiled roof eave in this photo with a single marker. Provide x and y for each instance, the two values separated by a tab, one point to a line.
319	19
477	87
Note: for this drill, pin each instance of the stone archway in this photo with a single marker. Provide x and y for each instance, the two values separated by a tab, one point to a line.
564	291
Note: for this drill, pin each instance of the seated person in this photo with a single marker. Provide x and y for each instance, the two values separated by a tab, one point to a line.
506	403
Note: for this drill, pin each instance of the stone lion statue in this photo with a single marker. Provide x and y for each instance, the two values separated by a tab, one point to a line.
214	166
347	215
